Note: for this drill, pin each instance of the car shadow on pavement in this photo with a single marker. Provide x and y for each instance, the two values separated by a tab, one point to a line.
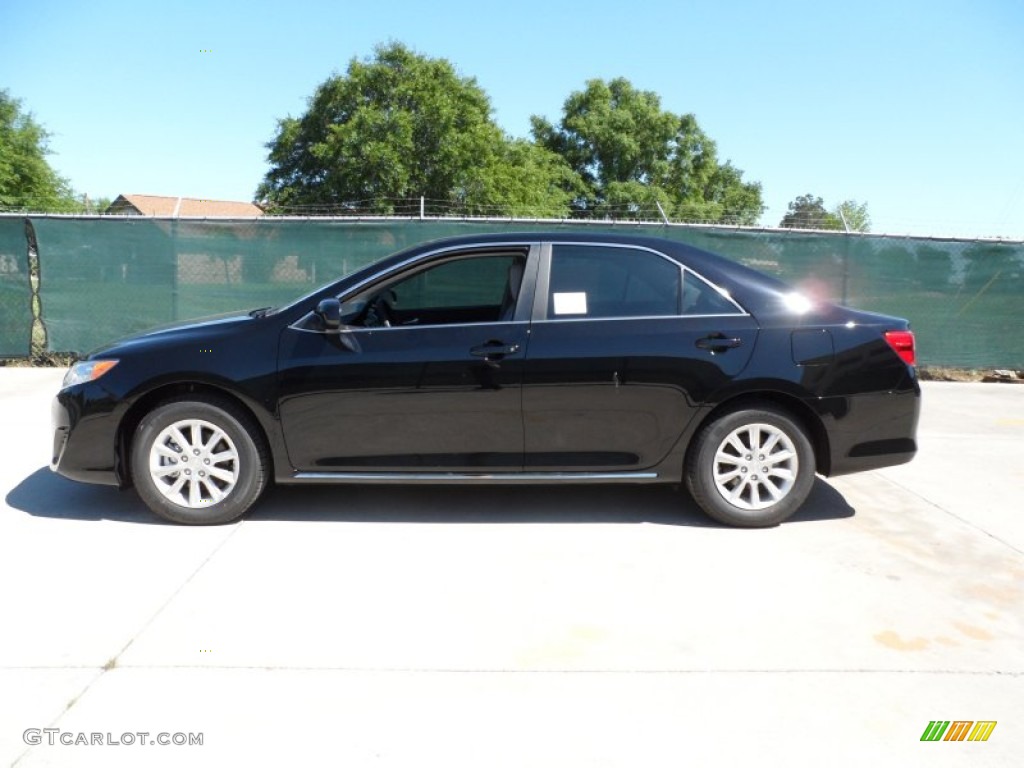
44	494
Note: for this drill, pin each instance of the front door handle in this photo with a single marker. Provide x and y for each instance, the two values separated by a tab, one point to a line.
494	350
718	342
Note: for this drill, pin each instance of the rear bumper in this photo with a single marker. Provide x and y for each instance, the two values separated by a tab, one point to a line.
878	430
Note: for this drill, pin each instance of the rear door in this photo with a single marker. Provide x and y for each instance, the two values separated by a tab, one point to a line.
625	345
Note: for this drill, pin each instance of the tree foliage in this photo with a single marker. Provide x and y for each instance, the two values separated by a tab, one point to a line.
630	153
26	179
400	126
809	212
521	178
853	216
95	205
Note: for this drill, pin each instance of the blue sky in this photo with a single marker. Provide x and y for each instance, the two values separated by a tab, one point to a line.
916	107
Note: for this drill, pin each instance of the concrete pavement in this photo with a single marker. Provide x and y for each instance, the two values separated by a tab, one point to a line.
521	626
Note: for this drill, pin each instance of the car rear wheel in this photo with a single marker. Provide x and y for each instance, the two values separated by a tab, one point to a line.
751	467
198	460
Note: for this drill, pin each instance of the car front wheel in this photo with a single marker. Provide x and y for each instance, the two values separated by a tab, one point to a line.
198	460
751	467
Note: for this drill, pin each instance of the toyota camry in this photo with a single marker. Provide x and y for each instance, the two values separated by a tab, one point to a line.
531	358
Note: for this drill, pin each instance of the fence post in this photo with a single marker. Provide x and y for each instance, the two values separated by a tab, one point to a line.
846	267
174	270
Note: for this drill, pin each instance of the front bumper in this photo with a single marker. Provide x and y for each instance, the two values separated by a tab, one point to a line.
84	442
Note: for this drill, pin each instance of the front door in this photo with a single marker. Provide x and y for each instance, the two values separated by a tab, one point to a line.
428	379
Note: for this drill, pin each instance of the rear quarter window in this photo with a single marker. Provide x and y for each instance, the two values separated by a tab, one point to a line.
702	298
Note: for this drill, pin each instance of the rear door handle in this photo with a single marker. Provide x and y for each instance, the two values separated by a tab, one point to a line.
494	350
718	342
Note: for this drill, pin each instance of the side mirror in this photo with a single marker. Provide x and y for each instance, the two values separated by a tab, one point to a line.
329	312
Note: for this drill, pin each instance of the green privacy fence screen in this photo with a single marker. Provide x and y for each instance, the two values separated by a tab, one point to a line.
15	290
102	278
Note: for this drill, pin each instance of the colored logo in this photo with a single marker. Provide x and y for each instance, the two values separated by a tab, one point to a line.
958	730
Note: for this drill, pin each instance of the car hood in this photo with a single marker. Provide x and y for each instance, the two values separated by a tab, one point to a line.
185	330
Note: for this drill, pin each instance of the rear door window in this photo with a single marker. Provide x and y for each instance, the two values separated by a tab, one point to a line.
598	281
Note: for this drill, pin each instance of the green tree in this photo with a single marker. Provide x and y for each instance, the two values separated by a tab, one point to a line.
95	204
630	153
808	212
400	126
853	216
522	179
26	178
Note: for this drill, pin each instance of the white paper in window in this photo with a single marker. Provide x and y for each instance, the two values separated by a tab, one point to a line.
570	303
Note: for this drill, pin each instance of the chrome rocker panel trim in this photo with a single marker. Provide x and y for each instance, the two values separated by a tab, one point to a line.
470	477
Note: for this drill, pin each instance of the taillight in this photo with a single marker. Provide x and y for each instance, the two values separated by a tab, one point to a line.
902	343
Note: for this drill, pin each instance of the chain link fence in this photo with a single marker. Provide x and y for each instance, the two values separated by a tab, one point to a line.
69	284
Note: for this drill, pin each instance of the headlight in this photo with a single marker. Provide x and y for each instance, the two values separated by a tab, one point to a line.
86	370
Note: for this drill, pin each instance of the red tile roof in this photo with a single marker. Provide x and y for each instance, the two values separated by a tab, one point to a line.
158	205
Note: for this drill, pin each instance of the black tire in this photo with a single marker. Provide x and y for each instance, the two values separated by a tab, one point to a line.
227	450
737	491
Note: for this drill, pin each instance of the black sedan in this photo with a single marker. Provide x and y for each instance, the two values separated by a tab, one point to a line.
532	358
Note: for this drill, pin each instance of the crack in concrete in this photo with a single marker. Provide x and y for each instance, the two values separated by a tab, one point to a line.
112	662
952	514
